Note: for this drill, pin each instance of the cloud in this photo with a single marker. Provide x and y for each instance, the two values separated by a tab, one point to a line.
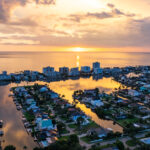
110	5
113	13
6	6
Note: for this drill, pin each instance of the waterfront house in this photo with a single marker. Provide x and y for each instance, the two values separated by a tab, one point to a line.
53	95
97	103
43	89
146	140
44	124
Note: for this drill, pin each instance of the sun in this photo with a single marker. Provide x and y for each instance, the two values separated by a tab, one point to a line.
78	49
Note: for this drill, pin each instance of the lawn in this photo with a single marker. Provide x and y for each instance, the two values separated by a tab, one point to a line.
124	122
64	138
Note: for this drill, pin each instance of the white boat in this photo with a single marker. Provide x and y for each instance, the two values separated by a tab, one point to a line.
1	123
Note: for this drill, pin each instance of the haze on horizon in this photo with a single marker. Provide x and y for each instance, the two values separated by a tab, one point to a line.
75	25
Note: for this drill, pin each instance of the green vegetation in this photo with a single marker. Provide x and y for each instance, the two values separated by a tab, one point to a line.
131	143
29	116
10	147
69	143
72	126
124	122
64	138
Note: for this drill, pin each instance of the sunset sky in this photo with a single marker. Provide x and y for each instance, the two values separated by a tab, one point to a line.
75	25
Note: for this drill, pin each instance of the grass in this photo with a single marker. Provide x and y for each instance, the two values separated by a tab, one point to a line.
64	138
73	126
131	143
124	122
86	139
65	131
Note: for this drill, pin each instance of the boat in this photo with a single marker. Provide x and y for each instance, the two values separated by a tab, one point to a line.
1	133
1	123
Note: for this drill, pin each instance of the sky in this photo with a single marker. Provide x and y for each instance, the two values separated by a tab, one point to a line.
75	25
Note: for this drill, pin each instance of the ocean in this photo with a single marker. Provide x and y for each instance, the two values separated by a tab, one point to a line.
18	61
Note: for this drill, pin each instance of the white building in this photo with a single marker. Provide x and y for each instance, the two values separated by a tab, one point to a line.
74	72
96	65
48	70
64	70
85	69
4	76
97	71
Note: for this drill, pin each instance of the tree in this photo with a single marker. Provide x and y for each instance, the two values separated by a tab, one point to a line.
25	147
80	120
120	145
73	139
60	126
10	147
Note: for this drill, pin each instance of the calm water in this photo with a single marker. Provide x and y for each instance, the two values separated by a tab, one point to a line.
14	130
18	61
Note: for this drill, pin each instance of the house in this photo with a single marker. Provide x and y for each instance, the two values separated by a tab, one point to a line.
30	101
44	124
133	92
146	140
100	132
43	89
53	95
75	118
85	69
97	103
74	72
